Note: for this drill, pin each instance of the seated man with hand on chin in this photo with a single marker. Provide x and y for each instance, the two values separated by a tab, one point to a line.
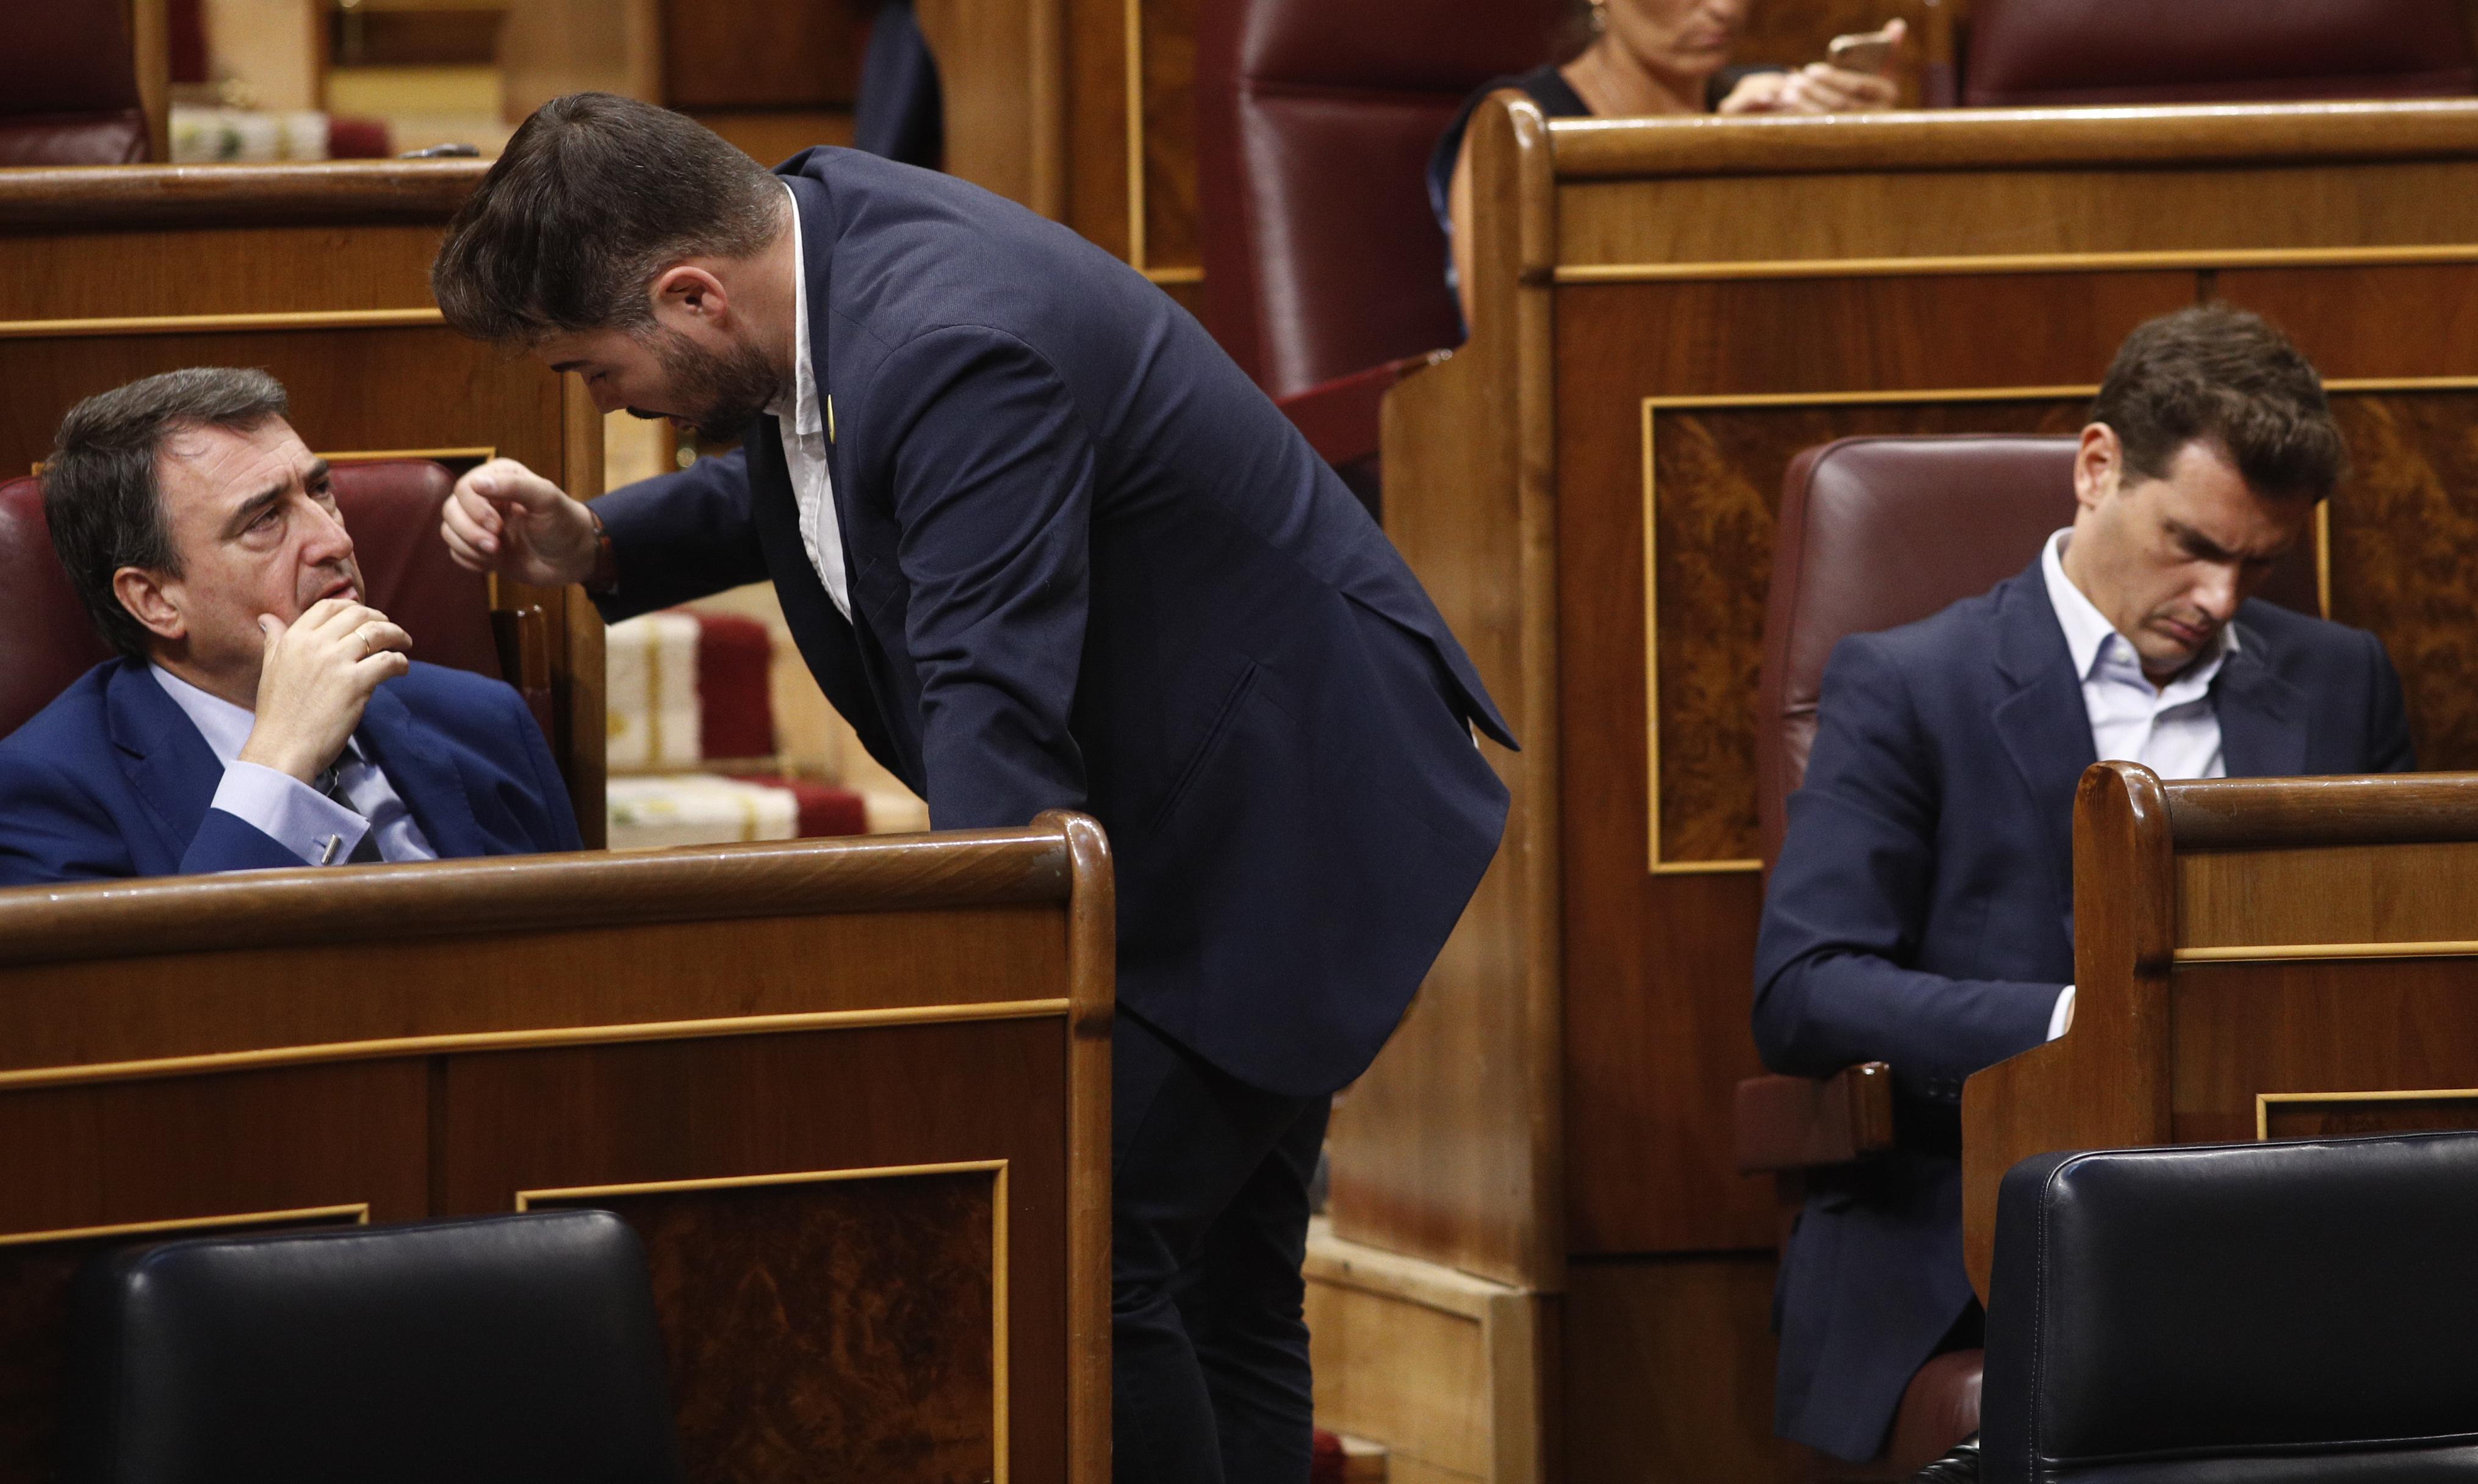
1921	912
261	713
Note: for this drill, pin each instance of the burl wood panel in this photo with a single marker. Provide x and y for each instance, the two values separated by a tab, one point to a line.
2360	1116
1171	238
1671	1359
379	388
202	1147
875	1292
790	1104
2362	1025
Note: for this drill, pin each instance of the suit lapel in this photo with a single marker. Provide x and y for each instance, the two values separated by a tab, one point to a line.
2262	717
423	776
162	753
2041	719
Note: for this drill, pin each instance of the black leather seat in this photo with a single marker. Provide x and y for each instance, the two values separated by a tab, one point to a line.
2271	1313
502	1349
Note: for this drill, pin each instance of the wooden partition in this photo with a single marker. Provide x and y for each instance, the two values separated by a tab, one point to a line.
1665	313
853	1094
321	275
2259	958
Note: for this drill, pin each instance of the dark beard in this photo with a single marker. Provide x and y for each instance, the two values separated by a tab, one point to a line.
723	393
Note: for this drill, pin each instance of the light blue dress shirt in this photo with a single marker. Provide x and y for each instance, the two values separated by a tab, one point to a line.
293	814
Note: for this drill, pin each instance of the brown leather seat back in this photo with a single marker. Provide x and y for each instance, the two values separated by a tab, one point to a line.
1315	120
68	86
2026	53
1878	532
390	506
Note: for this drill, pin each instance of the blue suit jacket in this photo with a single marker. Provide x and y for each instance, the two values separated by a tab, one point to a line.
1093	567
1921	913
111	779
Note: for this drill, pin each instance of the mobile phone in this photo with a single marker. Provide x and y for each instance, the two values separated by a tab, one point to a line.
1862	51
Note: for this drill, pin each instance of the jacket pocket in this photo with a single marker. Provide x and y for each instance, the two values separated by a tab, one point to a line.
1211	743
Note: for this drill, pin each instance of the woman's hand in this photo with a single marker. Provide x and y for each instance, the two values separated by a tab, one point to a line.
1818	87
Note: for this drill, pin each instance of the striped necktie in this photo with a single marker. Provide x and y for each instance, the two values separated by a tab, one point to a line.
332	784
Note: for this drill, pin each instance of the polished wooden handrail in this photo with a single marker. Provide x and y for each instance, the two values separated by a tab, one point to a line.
551	892
2236	813
2012	139
69	198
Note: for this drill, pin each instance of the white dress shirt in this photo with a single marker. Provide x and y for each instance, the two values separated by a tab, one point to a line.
296	815
803	427
2170	729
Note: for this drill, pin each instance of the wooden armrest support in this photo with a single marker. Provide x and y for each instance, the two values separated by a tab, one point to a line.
1797	1123
523	636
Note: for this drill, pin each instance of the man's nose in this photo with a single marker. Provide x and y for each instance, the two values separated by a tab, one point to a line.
2217	594
329	541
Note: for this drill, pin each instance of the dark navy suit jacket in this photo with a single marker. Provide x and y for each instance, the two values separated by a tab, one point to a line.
111	779
1093	567
1921	913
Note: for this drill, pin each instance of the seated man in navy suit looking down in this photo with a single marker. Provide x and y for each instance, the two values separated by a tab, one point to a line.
261	713
1921	912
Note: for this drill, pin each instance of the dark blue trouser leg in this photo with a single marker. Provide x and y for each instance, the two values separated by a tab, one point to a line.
1210	1360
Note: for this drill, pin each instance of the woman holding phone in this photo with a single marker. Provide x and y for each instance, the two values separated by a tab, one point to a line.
1654	57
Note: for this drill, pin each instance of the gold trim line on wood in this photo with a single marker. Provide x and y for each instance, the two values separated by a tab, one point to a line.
2195	258
370	455
1703	868
2263	1102
1195	275
995	1169
529	1040
359	1211
1134	39
2335	952
214	325
1935	395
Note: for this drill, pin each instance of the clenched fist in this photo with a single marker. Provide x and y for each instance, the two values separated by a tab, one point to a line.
314	679
505	519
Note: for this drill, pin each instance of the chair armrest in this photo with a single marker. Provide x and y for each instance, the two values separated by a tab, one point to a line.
524	638
1785	1123
1339	417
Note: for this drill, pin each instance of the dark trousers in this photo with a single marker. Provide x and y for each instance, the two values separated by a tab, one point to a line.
1210	1215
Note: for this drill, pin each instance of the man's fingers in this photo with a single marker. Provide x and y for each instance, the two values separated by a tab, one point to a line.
506	482
461	552
380	636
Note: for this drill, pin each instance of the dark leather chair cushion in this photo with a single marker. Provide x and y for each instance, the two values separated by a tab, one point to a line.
391	507
68	86
73	138
1314	125
2031	52
1878	532
504	1348
2271	1313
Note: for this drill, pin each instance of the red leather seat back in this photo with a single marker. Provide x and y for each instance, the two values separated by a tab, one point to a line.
2025	53
1878	532
1315	120
68	86
390	506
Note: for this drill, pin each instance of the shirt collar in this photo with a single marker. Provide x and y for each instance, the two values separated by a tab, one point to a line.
804	414
224	725
2090	639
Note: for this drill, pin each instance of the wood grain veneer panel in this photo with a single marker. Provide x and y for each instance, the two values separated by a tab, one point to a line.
2331	894
1870	213
2348	1025
1172	236
2355	1118
390	387
760	1106
1671	1359
226	270
2409	321
872	1295
605	976
755	54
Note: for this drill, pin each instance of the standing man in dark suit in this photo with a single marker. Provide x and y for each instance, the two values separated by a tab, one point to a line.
1044	546
1921	912
261	713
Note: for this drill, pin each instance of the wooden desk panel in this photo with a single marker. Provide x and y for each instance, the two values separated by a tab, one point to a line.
854	1094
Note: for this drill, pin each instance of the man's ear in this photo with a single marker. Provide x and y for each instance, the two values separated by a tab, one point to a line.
690	293
2099	466
145	594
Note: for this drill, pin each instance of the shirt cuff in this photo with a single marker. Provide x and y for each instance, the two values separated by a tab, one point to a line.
294	815
2063	1015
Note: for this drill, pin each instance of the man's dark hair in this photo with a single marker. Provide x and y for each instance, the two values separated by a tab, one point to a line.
100	490
594	199
2230	379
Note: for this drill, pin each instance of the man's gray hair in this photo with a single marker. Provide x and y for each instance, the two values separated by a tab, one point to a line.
101	491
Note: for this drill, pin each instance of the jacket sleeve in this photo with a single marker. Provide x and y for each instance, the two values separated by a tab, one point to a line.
56	832
556	830
679	537
2388	747
1847	909
992	472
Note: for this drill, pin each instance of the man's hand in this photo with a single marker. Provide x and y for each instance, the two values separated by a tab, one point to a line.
503	518
313	680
